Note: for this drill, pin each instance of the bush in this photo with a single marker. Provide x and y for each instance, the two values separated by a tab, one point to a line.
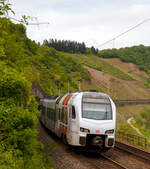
143	119
18	121
13	85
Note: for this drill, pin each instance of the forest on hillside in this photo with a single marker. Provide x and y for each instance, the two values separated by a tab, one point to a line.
23	62
19	147
70	46
139	55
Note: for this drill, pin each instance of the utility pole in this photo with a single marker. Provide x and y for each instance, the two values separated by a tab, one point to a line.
108	87
114	43
58	84
79	85
58	91
68	87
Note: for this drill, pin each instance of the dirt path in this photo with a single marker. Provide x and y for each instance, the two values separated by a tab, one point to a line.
136	129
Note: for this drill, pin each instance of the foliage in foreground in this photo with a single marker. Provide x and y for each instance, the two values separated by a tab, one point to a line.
22	62
19	147
18	122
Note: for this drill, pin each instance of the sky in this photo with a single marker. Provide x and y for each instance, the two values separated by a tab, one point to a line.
91	21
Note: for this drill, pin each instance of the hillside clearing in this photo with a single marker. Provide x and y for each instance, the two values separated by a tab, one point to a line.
118	88
129	68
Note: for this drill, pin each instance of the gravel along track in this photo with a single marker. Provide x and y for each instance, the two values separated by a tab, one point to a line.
133	149
60	153
127	159
96	160
65	157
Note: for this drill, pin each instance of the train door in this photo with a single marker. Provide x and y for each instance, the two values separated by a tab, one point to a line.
72	127
57	120
69	138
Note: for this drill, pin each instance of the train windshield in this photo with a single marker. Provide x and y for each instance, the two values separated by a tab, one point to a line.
97	110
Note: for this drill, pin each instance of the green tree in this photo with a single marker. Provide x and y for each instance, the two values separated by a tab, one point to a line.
5	7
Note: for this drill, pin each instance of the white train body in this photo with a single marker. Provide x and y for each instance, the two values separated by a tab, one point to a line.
81	118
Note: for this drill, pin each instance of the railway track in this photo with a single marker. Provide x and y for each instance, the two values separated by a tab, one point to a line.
96	160
145	155
115	162
39	93
140	101
107	162
117	158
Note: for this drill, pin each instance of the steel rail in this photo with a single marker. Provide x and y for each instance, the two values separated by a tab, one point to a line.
133	150
108	158
140	101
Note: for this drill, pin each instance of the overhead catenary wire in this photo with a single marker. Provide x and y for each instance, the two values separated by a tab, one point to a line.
14	19
39	23
119	35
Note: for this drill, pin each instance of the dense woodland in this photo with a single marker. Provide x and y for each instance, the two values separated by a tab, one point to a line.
23	62
70	46
19	147
139	55
66	46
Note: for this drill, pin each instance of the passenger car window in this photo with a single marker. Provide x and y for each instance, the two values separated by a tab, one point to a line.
59	111
70	112
73	112
63	116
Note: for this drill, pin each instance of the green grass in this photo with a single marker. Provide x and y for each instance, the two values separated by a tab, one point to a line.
145	81
125	112
99	64
145	132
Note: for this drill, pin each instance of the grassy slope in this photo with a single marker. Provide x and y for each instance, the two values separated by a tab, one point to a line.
53	70
113	80
120	80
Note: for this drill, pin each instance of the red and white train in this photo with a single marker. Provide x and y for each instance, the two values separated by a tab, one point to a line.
81	118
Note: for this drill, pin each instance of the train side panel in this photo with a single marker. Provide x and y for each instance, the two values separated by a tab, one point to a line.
74	126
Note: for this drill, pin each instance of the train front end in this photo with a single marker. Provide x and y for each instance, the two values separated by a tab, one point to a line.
97	121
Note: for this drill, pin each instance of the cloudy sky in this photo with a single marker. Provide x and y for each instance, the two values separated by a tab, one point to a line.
90	21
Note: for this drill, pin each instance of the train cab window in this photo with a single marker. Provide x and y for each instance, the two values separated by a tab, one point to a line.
73	112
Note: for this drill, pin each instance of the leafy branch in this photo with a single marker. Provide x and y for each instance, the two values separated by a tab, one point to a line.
5	7
25	19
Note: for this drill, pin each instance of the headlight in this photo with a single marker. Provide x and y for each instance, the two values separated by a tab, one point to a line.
109	131
84	130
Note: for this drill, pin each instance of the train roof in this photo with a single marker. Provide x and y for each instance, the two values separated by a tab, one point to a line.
86	94
97	95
